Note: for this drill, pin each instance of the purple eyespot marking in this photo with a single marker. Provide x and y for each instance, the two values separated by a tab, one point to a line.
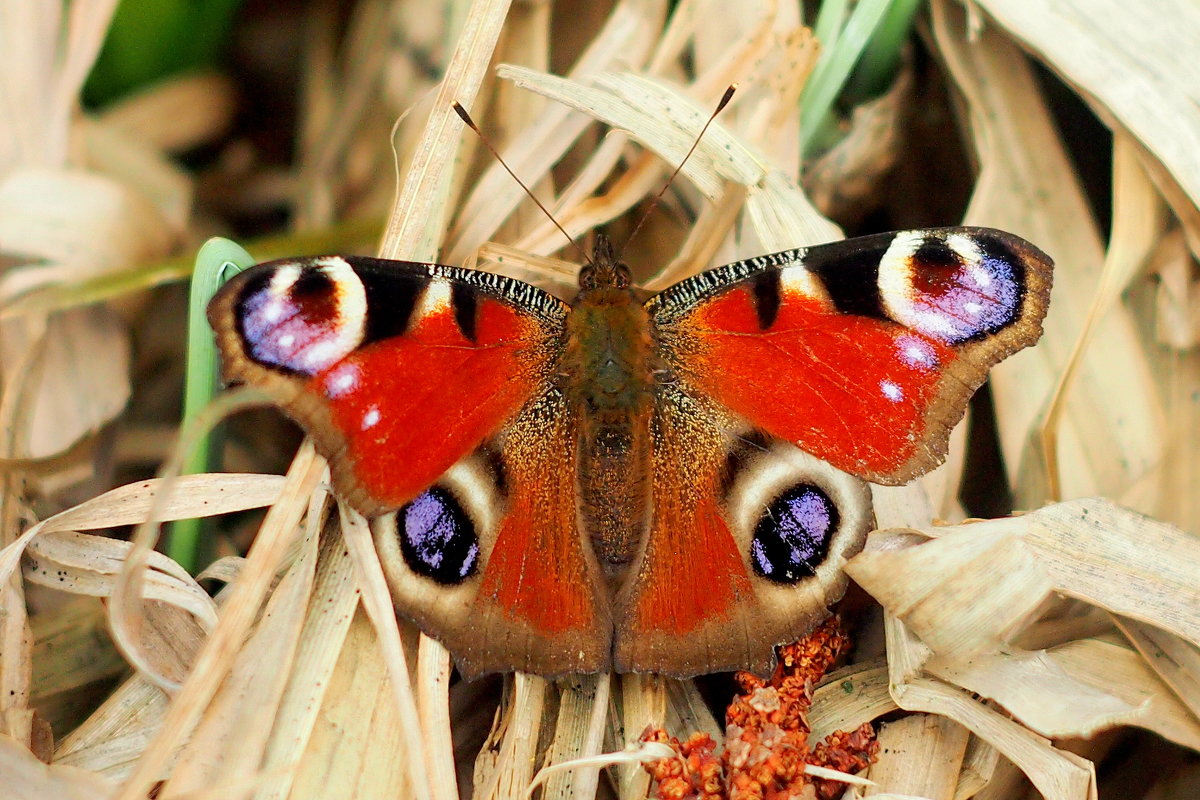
958	291
301	318
437	537
792	536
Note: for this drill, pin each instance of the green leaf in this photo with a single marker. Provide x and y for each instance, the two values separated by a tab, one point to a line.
149	40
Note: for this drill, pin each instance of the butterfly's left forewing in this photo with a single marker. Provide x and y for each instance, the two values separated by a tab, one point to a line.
863	352
397	369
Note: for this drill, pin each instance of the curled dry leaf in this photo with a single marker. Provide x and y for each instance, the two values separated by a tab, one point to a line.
77	563
70	377
70	372
71	225
921	755
26	778
969	591
57	556
1130	62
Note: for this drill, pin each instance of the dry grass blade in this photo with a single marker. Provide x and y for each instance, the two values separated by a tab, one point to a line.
505	766
417	219
578	737
1174	660
221	646
848	698
668	122
1058	775
378	604
114	737
626	38
90	565
643	704
326	625
229	741
921	756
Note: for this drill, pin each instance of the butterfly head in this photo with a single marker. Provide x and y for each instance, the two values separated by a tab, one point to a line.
604	271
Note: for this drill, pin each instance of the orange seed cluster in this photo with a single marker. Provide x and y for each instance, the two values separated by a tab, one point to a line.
766	736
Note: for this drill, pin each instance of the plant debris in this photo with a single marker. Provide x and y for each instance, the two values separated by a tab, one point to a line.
766	748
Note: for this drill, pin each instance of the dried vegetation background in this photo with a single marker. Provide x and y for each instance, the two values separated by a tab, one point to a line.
1052	654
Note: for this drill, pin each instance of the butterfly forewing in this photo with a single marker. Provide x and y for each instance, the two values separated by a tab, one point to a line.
863	352
397	369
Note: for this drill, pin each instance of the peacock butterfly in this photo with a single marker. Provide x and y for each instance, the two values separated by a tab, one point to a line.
668	486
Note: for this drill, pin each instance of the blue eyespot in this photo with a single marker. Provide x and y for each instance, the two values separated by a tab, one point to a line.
437	537
792	536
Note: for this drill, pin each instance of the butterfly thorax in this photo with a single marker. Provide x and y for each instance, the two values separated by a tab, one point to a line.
608	362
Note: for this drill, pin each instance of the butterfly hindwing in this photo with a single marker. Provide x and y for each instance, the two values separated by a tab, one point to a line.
490	560
746	546
864	352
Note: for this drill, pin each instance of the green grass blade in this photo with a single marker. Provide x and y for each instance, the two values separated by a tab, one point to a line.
834	68
149	40
831	16
340	238
881	59
218	261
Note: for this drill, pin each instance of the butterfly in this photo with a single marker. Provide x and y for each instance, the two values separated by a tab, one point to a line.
670	485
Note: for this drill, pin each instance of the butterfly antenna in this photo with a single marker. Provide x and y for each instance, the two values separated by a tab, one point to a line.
462	112
654	203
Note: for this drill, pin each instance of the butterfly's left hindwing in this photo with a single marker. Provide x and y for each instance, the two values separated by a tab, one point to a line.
490	560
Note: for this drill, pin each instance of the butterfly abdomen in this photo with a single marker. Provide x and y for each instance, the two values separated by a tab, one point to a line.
609	363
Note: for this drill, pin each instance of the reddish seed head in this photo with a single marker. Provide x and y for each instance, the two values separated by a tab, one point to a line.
766	736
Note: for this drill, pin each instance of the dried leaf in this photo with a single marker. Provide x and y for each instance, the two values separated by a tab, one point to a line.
1132	62
26	778
1089	549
